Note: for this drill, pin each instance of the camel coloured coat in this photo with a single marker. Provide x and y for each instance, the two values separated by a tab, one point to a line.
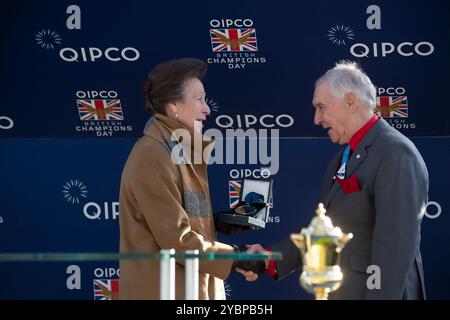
165	205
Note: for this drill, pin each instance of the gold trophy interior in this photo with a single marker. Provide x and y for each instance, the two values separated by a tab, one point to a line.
320	245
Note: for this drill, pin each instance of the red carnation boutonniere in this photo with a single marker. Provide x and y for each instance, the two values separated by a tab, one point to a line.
349	185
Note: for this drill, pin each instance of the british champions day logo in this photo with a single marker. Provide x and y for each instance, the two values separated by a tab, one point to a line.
101	113
392	105
106	283
106	289
234	43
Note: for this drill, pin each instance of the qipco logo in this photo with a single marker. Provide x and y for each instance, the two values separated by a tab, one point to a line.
392	91
96	211
92	94
93	54
253	173
383	49
6	123
106	272
225	23
249	120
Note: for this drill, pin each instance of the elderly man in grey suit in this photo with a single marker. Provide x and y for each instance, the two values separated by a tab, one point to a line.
376	187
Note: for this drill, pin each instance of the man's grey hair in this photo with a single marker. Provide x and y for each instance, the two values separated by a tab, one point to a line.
346	77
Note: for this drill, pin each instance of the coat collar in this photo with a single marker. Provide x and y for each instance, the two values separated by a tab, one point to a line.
193	147
360	153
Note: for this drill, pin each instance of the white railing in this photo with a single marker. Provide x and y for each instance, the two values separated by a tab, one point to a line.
167	273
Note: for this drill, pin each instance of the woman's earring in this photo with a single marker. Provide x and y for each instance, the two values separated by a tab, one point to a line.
176	115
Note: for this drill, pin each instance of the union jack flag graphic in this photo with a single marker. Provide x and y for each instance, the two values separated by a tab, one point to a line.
233	40
392	106
108	109
106	289
234	188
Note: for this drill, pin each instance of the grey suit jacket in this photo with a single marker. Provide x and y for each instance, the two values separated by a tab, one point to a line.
384	217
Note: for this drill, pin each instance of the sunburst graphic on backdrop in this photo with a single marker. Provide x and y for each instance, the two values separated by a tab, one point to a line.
48	39
73	190
213	105
338	34
227	289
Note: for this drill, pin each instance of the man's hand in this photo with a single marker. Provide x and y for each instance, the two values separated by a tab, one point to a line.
252	274
249	275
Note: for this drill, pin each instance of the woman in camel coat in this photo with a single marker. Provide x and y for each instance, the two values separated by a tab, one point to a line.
165	202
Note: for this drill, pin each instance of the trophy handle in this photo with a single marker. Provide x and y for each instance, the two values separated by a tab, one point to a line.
343	241
299	240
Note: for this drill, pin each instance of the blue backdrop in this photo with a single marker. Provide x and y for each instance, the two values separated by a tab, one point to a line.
61	157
